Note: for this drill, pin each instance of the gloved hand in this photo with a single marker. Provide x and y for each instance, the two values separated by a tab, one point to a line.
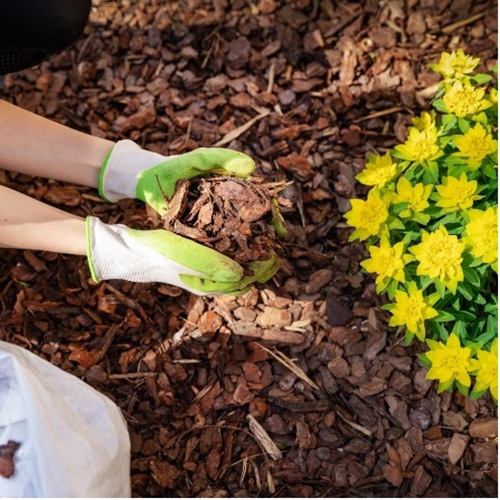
115	251
132	172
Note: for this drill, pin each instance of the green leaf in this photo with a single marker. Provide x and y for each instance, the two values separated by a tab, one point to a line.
431	173
477	394
395	223
460	330
440	288
438	330
481	78
444	386
463	125
490	171
448	219
387	307
397	208
471	276
456	169
396	154
465	315
492	324
447	123
421	218
444	316
486	337
465	290
424	360
477	329
491	308
462	388
409	337
391	289
425	282
480	300
439	105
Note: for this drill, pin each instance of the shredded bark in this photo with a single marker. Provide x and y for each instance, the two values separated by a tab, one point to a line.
229	214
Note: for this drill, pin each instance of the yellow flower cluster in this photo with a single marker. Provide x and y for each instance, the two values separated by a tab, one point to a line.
451	362
475	145
430	223
482	235
464	100
440	256
456	65
368	217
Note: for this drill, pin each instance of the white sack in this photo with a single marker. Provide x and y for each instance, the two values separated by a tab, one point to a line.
73	440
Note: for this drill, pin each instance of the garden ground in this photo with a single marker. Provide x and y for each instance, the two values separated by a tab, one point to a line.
308	89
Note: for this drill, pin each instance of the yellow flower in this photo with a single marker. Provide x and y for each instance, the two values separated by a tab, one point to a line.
464	100
423	122
387	261
449	362
368	217
440	256
416	196
456	64
475	145
482	235
487	375
456	194
378	171
420	146
411	310
493	96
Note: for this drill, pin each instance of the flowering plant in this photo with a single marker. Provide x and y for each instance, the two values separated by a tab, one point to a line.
430	224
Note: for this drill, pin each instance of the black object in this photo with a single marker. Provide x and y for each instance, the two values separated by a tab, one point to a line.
32	30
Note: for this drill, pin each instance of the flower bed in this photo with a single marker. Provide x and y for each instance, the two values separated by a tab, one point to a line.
431	229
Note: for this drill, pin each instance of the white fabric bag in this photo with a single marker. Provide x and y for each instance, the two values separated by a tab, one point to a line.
73	440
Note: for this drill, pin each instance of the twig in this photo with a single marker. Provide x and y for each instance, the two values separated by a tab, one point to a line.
464	22
378	114
234	134
188	131
290	365
356	426
270	82
120	376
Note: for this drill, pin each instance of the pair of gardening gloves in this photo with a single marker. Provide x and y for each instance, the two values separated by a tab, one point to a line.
116	251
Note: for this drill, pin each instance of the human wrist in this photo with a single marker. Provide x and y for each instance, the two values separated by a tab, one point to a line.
29	224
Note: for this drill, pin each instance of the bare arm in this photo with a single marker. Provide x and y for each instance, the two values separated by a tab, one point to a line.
37	146
26	223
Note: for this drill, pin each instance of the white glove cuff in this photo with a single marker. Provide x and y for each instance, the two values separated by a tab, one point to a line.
114	254
120	173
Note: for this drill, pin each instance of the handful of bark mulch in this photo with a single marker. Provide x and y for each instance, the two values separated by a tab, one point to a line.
237	217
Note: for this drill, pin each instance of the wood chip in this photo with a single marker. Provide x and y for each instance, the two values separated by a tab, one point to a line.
262	437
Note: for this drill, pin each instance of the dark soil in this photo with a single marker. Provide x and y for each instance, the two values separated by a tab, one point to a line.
298	389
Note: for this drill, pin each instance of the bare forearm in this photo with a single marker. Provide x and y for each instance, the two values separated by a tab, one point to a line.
26	223
37	146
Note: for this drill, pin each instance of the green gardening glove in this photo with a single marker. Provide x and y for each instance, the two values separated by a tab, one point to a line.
131	172
115	251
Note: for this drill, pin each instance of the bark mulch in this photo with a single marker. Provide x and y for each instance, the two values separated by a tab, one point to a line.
298	389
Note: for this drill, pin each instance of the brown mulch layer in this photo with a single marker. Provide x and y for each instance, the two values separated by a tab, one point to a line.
298	389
